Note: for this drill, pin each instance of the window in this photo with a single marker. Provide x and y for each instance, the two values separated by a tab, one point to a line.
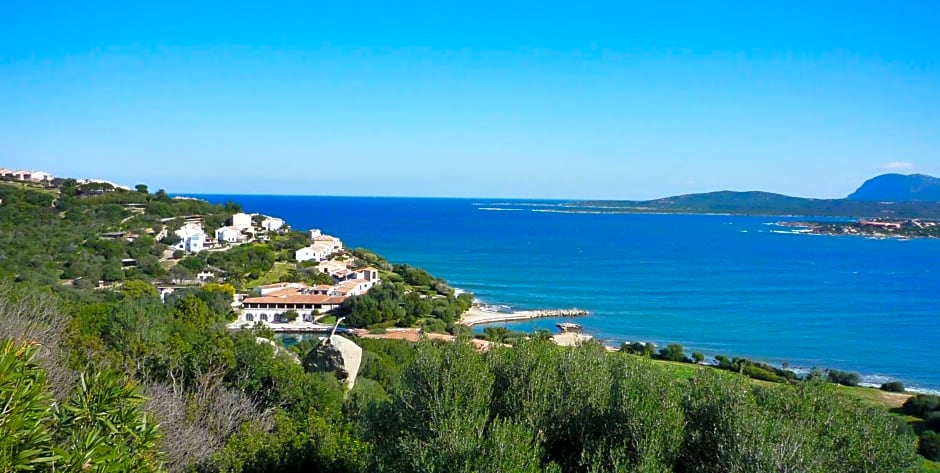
264	317
250	317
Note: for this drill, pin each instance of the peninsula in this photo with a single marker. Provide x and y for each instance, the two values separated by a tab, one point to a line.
871	228
887	196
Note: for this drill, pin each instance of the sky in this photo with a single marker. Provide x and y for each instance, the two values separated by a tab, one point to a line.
619	100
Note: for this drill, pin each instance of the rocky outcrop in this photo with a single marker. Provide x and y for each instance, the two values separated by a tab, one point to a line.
337	355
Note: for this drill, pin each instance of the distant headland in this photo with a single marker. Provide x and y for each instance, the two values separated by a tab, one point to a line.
892	196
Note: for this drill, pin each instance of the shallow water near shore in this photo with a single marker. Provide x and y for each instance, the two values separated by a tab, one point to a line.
718	284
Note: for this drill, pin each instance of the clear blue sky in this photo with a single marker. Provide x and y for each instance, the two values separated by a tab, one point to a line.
535	99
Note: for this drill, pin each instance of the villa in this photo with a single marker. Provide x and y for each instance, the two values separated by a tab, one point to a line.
241	221
272	224
192	238
314	252
335	244
306	301
229	234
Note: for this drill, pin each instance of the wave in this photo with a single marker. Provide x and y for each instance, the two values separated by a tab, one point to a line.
497	209
556	211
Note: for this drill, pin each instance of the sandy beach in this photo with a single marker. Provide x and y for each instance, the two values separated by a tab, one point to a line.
476	316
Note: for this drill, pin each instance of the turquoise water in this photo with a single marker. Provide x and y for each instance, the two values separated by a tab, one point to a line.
717	284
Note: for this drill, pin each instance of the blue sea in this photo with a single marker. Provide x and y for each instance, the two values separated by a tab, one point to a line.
731	285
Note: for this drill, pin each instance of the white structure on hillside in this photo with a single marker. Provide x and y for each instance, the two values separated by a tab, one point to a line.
276	299
335	244
192	238
314	252
272	224
313	233
229	235
241	221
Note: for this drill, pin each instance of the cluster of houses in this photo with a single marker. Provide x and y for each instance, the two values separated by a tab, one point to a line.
320	249
37	177
193	238
896	224
309	302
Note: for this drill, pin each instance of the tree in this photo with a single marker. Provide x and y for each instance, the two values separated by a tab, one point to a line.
921	404
136	289
673	352
845	378
698	357
179	273
290	316
929	445
893	387
142	188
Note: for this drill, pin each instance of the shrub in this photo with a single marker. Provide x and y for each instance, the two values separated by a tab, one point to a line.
921	404
698	357
673	352
932	421
893	387
433	326
845	378
929	445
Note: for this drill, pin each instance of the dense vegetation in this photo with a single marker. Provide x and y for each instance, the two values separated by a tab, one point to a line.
116	379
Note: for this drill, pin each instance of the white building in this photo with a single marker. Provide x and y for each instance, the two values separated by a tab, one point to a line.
314	252
314	232
229	235
281	286
241	221
192	238
272	224
334	243
269	308
352	287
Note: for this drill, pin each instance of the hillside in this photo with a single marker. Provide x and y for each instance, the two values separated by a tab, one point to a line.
766	203
899	188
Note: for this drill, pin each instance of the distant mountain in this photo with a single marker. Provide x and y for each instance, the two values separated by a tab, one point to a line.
899	188
766	203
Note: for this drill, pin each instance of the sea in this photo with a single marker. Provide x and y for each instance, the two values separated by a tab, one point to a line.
717	284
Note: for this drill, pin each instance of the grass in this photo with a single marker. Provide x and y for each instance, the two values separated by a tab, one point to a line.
929	466
279	270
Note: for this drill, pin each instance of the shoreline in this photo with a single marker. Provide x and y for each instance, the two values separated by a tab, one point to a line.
477	316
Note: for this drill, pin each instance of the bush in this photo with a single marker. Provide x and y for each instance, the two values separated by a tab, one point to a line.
433	326
845	378
932	421
921	404
929	445
893	387
698	357
673	352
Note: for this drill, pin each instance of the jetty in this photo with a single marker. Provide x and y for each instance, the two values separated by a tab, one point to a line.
477	316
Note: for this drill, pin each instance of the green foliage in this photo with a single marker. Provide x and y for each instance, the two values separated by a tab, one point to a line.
103	427
99	427
920	404
290	316
673	352
25	428
844	378
136	289
583	410
639	348
893	387
928	445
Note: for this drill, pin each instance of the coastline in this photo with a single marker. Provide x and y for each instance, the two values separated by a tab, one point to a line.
477	316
